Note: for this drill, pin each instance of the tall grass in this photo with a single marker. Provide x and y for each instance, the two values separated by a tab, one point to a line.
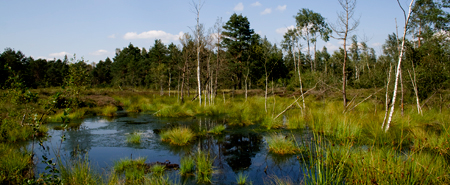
133	170
204	167
78	171
280	144
14	164
187	165
178	135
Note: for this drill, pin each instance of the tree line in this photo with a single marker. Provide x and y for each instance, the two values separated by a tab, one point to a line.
233	56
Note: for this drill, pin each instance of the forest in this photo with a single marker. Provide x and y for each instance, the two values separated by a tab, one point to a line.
230	62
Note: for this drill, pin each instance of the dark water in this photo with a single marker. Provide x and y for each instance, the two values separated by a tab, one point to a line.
237	150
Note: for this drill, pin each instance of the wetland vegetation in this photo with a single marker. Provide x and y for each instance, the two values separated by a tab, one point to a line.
256	113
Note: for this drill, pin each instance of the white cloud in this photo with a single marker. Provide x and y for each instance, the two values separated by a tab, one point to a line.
113	36
239	7
99	52
266	11
331	47
281	8
153	34
284	30
60	54
256	4
45	58
376	44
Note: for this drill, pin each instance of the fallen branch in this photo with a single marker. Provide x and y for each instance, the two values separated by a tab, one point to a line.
295	101
366	99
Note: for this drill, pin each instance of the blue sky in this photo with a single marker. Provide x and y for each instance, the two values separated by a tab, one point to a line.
93	29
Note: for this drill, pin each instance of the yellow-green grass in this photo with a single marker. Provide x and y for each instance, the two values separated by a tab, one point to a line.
187	165
281	144
157	169
109	110
174	111
204	167
15	164
134	137
242	179
178	135
78	171
133	169
74	114
218	129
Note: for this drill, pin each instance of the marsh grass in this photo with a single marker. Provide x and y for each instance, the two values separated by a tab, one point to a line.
174	111
218	129
78	171
178	135
280	144
187	165
14	164
204	167
158	170
270	123
133	170
109	110
242	179
134	137
275	180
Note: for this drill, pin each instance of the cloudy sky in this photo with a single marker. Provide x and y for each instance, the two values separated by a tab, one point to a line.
93	29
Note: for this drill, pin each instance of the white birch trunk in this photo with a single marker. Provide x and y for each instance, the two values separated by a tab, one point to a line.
397	75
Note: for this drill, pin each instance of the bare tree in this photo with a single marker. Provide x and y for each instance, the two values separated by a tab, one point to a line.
197	8
342	29
397	75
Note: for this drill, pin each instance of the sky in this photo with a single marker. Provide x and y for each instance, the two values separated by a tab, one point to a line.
93	29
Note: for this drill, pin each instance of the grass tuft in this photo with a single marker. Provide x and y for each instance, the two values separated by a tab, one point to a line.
187	165
178	136
280	144
134	137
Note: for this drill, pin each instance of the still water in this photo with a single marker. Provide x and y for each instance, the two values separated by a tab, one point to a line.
103	140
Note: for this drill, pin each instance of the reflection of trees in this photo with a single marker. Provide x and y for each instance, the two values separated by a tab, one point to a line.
238	149
78	142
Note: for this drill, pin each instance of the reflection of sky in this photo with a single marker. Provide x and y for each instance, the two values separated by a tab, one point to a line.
105	142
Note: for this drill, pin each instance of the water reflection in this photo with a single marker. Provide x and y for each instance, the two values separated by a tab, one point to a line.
236	150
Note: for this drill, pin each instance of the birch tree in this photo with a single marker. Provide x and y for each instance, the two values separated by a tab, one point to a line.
397	74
